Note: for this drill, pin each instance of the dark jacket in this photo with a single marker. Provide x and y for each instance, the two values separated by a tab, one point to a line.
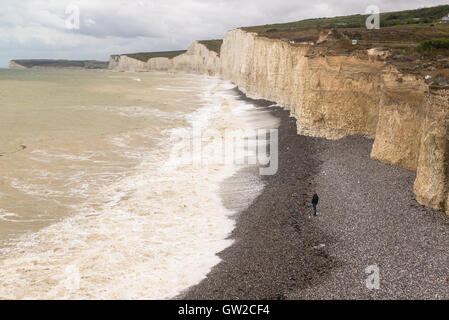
315	199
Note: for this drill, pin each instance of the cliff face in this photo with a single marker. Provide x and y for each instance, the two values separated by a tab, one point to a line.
264	68
330	96
340	97
158	64
337	95
401	114
431	186
123	63
198	59
334	95
14	65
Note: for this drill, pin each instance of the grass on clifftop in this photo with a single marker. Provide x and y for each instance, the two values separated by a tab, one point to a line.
432	44
145	56
411	26
213	45
416	40
388	19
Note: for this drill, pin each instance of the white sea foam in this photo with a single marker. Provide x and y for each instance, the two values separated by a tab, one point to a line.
72	157
176	89
157	233
7	216
133	111
13	217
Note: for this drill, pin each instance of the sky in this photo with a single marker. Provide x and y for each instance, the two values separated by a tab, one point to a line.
49	29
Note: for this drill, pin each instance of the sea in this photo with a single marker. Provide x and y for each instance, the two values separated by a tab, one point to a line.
99	195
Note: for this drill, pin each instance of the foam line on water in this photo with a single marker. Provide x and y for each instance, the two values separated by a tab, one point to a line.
157	234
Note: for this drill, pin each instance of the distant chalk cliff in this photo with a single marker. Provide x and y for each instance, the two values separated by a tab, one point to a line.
57	64
200	58
332	96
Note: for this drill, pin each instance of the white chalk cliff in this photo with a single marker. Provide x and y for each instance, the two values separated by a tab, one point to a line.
198	59
332	96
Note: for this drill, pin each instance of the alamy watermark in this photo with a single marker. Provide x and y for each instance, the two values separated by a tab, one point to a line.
205	147
72	278
373	21
72	14
373	279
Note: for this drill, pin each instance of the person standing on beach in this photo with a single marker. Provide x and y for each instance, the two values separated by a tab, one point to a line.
315	201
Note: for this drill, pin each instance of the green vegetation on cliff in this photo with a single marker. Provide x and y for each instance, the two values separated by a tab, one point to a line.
145	56
432	44
388	19
401	28
213	45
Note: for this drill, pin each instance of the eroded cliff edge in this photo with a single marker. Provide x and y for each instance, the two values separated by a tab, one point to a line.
333	95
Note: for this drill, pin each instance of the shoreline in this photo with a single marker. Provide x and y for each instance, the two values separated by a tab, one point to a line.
145	217
368	215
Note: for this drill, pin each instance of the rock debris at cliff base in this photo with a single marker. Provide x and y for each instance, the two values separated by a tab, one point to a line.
368	215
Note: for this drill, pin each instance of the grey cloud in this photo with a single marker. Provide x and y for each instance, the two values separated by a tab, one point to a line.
35	28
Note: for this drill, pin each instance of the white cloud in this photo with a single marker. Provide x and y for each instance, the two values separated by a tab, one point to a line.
36	28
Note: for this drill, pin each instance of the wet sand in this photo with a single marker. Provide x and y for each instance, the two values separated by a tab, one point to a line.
367	216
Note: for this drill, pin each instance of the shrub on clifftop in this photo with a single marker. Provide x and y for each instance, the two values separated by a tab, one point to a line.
428	45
